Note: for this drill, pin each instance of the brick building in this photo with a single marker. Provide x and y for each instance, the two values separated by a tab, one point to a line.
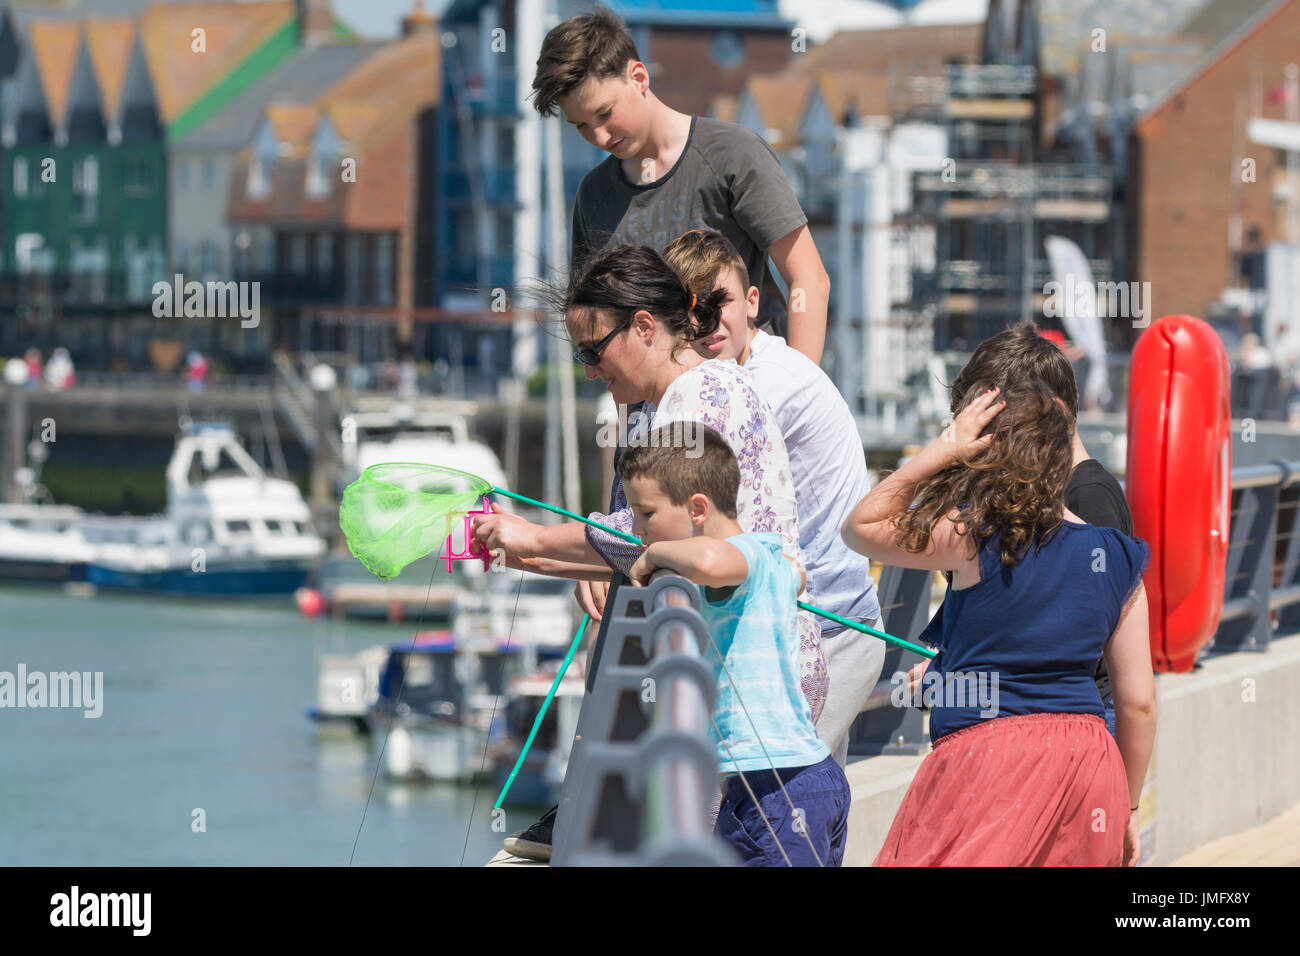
1196	217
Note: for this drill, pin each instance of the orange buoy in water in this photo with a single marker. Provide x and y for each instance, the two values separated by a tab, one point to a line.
1179	481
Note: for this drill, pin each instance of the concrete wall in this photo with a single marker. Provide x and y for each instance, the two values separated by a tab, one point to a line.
1227	757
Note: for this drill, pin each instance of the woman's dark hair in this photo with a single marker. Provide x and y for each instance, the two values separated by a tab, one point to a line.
1014	488
625	279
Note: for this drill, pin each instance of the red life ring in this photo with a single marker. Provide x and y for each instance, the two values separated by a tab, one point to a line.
1179	481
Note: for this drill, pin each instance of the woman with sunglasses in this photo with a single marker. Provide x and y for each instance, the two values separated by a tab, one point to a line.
632	320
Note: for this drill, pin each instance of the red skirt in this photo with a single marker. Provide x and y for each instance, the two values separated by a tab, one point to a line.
1032	790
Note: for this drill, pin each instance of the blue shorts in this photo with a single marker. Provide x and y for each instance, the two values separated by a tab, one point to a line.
820	794
1110	716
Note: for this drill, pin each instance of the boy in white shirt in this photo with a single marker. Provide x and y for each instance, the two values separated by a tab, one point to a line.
827	464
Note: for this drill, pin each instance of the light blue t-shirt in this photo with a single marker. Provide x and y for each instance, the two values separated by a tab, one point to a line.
755	630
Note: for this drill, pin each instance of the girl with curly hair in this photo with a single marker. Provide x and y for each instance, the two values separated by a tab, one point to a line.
1023	771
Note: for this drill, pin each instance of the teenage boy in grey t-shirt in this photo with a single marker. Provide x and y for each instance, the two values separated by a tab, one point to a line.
668	172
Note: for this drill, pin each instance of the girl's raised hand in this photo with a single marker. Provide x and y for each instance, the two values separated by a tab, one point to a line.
962	439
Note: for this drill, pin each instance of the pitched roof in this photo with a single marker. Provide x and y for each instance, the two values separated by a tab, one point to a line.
917	48
352	119
780	99
858	71
1065	26
292	125
298	80
109	42
373	108
723	107
54	51
1219	19
1220	51
232	32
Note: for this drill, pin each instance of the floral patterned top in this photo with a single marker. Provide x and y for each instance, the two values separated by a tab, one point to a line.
721	395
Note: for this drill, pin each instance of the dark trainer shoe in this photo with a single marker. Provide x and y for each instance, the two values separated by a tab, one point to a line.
534	843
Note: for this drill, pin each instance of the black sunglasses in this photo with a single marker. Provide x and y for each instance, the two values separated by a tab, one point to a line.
590	354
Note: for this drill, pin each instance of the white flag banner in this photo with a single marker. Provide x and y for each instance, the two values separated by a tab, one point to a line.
1071	271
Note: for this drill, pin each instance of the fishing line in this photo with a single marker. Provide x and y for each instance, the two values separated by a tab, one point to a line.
495	700
378	763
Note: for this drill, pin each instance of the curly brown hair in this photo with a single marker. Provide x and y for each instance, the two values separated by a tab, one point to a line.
1014	489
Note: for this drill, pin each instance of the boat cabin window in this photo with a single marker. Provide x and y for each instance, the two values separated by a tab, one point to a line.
300	527
273	526
238	527
419	670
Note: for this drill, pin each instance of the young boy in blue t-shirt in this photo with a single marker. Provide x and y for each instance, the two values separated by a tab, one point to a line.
683	499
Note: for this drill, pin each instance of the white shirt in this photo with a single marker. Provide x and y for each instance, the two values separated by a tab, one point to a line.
829	470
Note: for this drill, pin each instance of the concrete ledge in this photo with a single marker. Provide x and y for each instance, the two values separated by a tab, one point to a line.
507	859
1227	757
1227	752
879	785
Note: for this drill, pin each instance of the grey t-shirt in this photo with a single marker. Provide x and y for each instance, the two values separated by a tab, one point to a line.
728	178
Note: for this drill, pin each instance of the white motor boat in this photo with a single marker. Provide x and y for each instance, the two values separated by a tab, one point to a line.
43	543
228	527
435	434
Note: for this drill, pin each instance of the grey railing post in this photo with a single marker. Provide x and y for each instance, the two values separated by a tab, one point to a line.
1246	620
642	771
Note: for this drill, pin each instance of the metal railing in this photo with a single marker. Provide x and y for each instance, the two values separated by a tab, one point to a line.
642	771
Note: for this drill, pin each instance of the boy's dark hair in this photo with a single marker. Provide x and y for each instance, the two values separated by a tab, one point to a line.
596	45
1016	355
623	280
665	458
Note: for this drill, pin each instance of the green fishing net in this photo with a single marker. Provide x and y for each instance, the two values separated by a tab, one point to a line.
400	511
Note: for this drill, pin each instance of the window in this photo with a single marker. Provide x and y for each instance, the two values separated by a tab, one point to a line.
298	253
238	527
259	177
208	257
384	270
728	48
182	255
182	174
20	176
85	186
324	254
353	266
209	174
273	526
506	144
137	177
318	181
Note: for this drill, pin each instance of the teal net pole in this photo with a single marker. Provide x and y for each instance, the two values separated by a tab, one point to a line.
555	686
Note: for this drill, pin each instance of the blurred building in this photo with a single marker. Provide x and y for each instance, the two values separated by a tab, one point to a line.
1214	204
330	203
854	119
93	96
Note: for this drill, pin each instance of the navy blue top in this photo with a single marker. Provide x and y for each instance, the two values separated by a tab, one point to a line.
1037	627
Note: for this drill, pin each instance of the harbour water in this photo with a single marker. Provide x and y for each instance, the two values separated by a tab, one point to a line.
203	722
